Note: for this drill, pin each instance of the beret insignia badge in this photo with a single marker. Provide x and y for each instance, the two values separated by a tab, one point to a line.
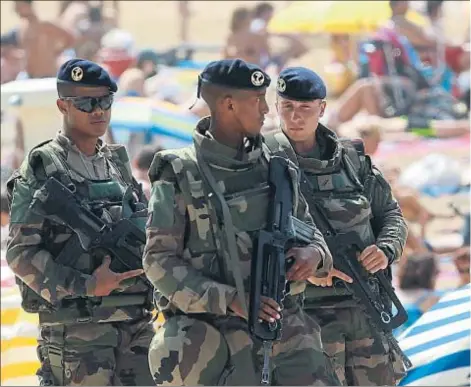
281	85
257	78
77	74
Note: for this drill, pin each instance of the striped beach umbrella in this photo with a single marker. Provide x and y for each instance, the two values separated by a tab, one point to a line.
438	344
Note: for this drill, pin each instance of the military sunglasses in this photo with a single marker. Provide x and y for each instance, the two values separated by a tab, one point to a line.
89	104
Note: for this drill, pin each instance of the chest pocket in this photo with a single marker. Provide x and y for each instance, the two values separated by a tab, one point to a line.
249	208
201	238
342	201
347	212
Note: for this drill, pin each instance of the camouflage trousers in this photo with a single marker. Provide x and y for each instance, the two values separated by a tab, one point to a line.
197	351
96	354
360	356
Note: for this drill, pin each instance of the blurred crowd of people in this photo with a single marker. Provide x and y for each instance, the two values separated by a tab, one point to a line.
411	71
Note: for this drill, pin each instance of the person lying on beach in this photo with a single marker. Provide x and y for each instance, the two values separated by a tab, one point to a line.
370	96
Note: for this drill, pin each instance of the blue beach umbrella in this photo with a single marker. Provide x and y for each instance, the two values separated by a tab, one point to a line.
438	344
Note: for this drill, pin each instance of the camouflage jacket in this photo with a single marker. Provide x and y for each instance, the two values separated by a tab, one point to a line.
352	191
34	242
182	257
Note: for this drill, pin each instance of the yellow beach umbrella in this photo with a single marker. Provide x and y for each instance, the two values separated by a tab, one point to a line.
300	16
335	17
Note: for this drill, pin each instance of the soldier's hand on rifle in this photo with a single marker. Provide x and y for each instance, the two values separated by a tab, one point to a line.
306	261
104	280
269	309
328	281
373	259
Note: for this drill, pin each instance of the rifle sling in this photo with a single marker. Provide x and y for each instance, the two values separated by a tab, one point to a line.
230	234
213	210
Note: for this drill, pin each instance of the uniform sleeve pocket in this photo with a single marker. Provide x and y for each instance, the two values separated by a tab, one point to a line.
162	205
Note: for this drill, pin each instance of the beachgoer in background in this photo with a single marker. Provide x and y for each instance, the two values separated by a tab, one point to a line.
184	12
242	42
461	260
131	83
368	128
12	57
72	13
91	31
416	35
43	41
262	14
141	164
139	80
117	52
148	62
417	279
448	119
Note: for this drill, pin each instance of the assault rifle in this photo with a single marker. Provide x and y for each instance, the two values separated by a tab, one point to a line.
374	292
121	240
269	264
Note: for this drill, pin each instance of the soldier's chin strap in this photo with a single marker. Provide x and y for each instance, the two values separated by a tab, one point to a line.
229	233
198	92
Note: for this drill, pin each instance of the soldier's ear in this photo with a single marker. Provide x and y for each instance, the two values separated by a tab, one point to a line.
62	105
323	105
228	103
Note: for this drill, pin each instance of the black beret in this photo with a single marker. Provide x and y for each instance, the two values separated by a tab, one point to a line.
83	72
300	84
234	74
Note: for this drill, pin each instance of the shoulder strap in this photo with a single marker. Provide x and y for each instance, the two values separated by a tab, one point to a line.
52	157
229	235
184	165
120	159
355	153
279	145
185	168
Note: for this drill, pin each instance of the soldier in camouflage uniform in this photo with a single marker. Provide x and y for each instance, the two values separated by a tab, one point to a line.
195	254
95	324
339	178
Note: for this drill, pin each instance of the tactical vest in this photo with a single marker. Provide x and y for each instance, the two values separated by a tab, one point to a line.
338	191
241	194
246	192
110	199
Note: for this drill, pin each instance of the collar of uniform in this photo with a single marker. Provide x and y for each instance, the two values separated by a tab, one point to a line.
330	150
85	167
66	142
218	154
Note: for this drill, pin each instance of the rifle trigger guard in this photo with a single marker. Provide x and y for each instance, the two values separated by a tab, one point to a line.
272	326
385	317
